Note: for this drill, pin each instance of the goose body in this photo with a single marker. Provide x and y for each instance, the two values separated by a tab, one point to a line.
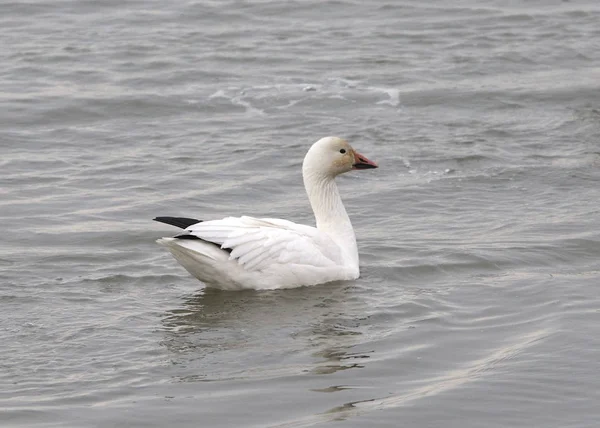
237	253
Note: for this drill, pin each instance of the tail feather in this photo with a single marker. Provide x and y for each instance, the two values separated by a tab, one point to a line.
181	222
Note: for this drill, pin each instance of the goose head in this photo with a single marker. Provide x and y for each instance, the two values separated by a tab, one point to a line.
331	156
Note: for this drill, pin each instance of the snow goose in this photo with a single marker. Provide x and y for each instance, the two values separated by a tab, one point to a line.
238	253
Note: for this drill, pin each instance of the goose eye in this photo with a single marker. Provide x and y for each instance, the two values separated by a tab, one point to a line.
342	151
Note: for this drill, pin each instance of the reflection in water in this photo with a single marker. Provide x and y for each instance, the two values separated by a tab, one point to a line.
217	335
333	388
338	359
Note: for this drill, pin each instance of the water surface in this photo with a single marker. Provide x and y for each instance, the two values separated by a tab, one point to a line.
477	303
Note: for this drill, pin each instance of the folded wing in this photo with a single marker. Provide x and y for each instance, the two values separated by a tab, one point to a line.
258	244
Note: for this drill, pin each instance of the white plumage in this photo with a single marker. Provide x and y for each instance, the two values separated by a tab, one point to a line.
251	253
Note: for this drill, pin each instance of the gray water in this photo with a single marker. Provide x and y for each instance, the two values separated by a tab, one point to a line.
479	235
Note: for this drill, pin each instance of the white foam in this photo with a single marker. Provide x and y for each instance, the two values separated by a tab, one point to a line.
393	93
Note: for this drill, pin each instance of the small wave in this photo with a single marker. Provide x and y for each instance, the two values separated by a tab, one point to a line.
471	159
428	269
439	384
122	279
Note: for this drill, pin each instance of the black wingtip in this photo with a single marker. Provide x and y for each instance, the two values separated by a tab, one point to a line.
194	237
181	222
186	236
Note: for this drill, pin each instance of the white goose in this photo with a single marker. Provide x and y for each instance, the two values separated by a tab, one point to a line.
238	253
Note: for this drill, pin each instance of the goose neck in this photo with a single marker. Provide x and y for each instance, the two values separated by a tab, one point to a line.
330	213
